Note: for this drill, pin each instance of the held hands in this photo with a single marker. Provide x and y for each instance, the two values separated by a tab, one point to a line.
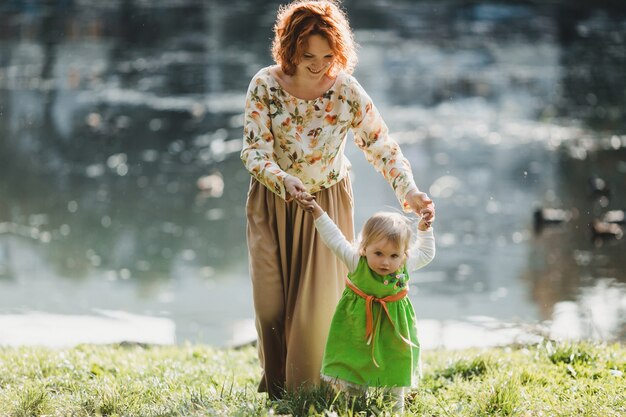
297	191
423	206
293	186
308	203
424	224
419	202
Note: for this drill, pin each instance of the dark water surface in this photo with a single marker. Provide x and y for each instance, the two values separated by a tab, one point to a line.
122	193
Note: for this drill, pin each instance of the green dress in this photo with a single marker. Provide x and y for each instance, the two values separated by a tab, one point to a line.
349	357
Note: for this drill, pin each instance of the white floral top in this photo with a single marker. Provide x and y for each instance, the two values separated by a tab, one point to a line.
285	135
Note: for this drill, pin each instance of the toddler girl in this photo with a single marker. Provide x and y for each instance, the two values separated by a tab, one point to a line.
373	336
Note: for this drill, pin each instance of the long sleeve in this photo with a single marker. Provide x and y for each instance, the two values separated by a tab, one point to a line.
372	136
258	144
422	251
336	241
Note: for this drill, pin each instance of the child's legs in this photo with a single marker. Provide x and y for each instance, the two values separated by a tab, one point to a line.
348	388
396	394
355	390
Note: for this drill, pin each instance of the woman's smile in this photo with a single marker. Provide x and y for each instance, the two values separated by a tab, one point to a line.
317	57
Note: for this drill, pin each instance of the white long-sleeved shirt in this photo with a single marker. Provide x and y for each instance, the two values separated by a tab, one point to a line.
421	252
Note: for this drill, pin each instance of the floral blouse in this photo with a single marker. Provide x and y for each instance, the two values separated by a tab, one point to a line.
285	135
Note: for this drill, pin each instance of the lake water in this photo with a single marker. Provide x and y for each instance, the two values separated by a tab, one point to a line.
122	195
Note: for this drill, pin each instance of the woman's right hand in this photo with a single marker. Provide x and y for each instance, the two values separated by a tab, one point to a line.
293	186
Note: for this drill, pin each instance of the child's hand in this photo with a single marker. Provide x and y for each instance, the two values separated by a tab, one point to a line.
304	200
426	219
308	203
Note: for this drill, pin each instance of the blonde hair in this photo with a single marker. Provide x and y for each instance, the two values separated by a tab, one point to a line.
389	226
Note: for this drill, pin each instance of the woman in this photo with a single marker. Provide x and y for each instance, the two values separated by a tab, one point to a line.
298	113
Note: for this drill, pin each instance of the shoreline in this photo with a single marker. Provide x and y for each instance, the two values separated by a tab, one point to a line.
38	329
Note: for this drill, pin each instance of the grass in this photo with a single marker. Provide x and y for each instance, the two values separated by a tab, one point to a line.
579	379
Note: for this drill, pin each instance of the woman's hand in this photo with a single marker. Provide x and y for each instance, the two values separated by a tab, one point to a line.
298	193
422	205
293	186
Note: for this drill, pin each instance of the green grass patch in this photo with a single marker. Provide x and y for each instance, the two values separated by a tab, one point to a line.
549	379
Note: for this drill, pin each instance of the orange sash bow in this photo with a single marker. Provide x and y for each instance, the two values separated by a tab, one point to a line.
370	330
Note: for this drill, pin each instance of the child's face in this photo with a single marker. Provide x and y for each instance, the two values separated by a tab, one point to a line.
384	257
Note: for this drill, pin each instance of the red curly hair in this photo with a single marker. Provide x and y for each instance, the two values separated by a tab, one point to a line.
300	19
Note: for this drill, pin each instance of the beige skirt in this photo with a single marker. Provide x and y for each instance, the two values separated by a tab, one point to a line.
297	282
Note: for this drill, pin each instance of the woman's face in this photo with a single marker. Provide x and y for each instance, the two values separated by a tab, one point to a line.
316	59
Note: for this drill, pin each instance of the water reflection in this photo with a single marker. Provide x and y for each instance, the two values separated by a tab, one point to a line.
122	189
594	54
105	327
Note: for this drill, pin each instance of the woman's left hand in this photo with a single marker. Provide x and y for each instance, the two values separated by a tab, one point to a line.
421	204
